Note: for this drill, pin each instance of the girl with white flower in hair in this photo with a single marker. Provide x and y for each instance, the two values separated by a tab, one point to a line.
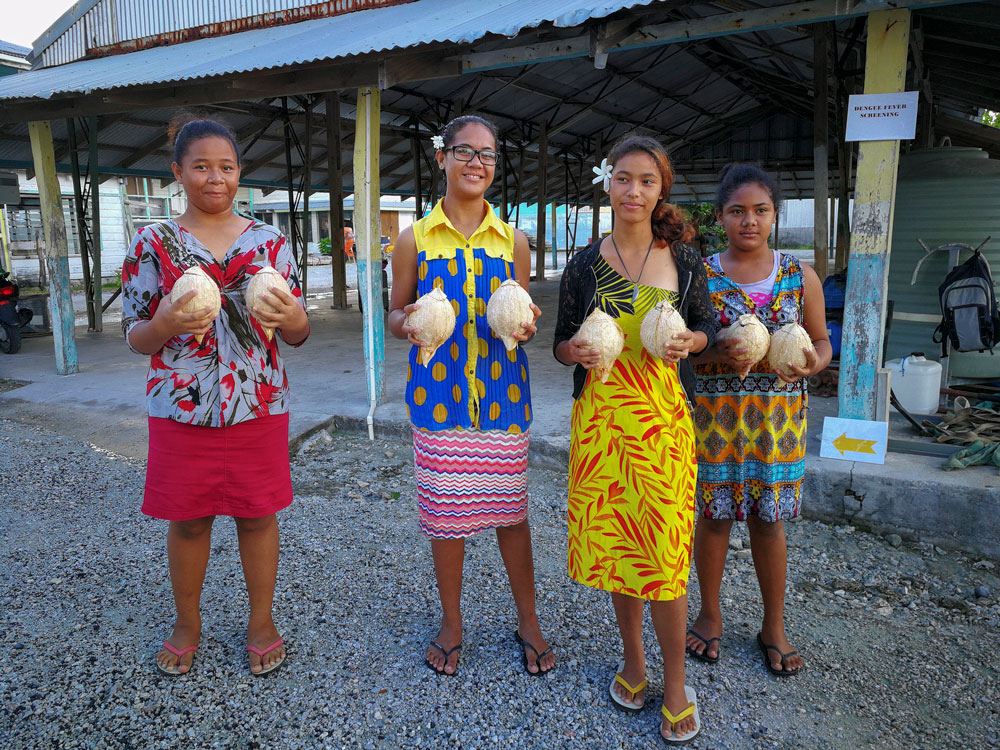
470	405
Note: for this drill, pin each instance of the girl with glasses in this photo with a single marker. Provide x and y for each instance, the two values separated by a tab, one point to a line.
470	406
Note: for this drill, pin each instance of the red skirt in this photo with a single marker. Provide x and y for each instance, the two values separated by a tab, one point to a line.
240	470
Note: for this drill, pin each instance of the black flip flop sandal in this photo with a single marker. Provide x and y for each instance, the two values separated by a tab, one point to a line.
538	656
446	653
764	648
703	656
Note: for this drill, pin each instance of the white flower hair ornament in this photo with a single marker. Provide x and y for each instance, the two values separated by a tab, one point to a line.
603	173
437	141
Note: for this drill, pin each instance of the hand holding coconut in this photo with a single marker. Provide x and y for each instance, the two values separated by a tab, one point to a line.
270	301
792	354
664	333
743	343
193	303
430	321
511	314
597	344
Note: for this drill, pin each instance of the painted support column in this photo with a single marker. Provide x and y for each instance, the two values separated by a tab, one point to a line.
543	149
595	229
367	234
56	247
821	137
871	234
335	184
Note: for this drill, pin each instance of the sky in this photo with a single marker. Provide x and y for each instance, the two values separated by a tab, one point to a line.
24	22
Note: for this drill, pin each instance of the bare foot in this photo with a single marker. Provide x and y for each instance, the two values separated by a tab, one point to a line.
633	673
447	637
182	637
708	628
676	702
531	633
260	637
777	638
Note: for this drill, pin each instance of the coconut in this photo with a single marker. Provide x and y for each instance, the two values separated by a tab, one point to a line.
266	279
435	317
509	307
787	344
195	279
752	334
604	335
659	326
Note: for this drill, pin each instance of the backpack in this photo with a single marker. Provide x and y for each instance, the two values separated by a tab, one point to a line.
970	319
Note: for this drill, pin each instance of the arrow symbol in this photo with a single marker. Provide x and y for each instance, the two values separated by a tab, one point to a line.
845	444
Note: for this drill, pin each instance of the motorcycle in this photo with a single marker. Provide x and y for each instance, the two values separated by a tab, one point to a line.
11	319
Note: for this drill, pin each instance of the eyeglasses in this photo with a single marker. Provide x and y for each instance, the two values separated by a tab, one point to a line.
487	157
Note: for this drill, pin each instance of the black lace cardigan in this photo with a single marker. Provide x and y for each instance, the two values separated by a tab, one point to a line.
578	297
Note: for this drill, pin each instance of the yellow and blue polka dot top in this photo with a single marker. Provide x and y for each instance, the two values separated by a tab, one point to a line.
472	381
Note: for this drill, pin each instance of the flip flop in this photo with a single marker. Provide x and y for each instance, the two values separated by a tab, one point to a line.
703	656
262	652
538	656
175	672
692	708
764	648
616	700
447	653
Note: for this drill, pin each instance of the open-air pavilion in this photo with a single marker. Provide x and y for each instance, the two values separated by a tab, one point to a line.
314	89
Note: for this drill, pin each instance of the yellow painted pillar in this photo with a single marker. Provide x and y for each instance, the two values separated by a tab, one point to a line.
871	225
56	247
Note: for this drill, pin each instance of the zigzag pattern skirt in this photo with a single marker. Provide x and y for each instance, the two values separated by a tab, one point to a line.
470	480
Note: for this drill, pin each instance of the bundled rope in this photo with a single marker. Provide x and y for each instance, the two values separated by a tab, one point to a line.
975	427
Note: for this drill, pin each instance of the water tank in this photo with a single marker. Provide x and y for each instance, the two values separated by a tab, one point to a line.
943	195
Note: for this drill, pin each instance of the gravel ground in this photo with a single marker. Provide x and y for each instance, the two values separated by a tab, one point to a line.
901	648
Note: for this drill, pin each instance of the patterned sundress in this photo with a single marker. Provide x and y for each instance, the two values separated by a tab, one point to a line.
632	462
751	432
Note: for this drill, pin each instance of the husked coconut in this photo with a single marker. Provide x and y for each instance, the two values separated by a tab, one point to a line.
604	335
435	318
787	344
509	307
752	334
266	279
659	326
195	279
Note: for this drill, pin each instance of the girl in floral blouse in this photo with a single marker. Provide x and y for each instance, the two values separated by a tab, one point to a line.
218	410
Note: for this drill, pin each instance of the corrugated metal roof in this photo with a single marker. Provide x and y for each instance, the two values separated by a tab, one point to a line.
9	48
362	32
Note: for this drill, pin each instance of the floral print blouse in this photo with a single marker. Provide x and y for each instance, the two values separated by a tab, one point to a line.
236	374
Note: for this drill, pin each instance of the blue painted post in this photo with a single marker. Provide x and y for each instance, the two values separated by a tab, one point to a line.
871	227
367	234
56	247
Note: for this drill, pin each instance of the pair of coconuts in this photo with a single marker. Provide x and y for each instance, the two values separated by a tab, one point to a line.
207	292
783	346
509	307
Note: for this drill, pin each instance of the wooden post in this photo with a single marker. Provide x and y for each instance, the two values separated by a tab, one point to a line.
418	186
56	246
871	235
335	184
80	206
555	241
306	186
821	136
543	148
595	229
504	196
845	152
367	233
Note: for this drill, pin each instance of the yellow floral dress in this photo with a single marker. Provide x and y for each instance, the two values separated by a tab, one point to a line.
632	467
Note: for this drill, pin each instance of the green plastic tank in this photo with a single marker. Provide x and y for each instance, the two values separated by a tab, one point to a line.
943	196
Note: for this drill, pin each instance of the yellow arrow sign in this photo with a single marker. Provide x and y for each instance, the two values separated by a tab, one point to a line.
845	444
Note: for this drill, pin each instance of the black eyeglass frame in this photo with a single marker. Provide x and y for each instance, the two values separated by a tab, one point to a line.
475	152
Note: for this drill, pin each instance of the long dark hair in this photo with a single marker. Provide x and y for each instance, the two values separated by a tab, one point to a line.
187	128
669	224
735	175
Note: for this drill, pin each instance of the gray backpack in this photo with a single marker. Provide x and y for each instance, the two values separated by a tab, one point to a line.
970	320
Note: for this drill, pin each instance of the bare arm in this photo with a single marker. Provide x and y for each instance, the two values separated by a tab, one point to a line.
814	321
404	288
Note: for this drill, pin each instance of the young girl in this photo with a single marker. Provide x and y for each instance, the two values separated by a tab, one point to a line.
470	406
632	455
218	410
752	429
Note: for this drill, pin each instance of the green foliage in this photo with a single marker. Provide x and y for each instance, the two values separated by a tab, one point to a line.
702	215
324	246
990	118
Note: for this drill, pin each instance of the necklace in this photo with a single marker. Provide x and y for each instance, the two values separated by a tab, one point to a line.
635	281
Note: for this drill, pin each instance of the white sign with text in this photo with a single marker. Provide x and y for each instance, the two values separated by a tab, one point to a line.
882	117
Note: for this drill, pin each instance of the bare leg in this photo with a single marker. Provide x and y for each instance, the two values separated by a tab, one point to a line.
188	546
711	544
628	612
770	558
449	558
515	548
258	538
670	621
